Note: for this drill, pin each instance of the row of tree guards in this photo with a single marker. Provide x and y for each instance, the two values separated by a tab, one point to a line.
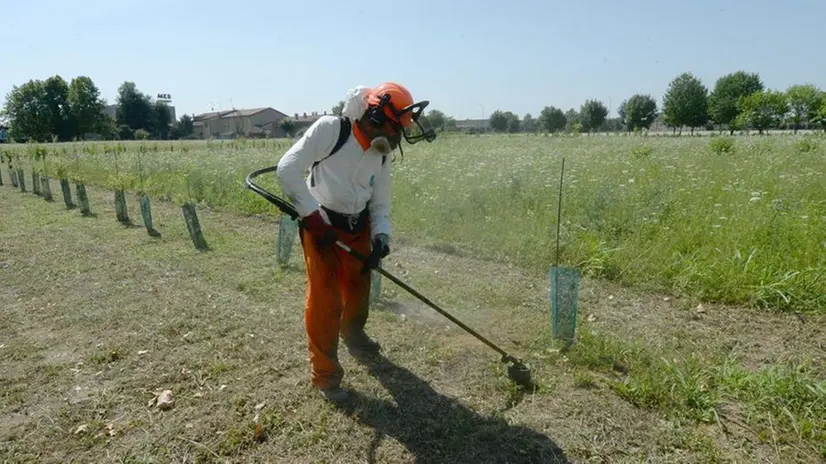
41	186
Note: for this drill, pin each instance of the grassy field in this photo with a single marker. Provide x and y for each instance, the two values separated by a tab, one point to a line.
740	223
98	318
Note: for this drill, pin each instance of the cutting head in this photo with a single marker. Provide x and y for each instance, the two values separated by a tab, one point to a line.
520	374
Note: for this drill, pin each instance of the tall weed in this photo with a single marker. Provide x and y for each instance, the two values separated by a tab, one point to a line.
748	227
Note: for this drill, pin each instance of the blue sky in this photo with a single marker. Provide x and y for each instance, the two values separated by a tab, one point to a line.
467	57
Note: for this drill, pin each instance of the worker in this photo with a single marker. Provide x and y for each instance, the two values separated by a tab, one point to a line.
346	198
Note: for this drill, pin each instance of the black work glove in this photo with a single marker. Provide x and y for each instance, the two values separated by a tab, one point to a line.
380	250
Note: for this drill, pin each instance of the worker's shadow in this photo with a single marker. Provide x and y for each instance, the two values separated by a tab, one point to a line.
435	428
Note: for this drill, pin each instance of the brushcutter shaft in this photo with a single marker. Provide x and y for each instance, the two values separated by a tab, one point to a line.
288	209
426	301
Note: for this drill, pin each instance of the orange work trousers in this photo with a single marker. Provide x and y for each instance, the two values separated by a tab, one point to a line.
337	301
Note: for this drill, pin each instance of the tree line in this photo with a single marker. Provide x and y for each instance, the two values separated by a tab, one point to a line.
55	110
738	101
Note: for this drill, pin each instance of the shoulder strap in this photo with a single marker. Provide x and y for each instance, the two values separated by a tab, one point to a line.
343	135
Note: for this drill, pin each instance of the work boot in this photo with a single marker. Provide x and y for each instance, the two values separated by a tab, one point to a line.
334	394
359	344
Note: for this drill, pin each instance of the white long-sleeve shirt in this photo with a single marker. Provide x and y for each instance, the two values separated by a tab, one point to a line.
347	182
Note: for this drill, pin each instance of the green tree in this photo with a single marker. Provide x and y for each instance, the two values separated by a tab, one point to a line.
134	109
338	108
57	100
804	103
820	117
638	112
612	124
571	119
450	123
722	102
592	115
763	110
499	121
551	119
185	126
686	102
86	107
529	124
107	127
621	113
436	119
514	125
125	132
161	120
27	111
288	126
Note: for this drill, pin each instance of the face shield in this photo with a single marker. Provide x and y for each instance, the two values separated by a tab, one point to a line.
417	127
411	120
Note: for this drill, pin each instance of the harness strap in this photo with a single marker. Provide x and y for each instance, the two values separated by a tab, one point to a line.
350	223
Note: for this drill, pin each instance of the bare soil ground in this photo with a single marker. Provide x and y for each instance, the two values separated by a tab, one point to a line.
97	319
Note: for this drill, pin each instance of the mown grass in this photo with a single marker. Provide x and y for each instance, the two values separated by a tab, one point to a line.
732	220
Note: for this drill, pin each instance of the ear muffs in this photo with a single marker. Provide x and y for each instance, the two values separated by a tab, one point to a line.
376	114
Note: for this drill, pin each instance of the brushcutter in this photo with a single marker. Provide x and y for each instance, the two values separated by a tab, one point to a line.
517	371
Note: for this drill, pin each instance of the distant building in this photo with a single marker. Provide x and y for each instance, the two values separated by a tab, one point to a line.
253	122
4	134
304	121
476	125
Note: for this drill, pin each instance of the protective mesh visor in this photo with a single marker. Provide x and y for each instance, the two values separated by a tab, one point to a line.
421	129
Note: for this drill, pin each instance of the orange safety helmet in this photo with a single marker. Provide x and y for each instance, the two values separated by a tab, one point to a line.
399	100
396	102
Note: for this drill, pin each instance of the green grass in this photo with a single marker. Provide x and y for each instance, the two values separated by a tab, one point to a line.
781	402
733	220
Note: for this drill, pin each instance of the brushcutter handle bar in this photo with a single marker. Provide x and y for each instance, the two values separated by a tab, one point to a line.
288	209
285	207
